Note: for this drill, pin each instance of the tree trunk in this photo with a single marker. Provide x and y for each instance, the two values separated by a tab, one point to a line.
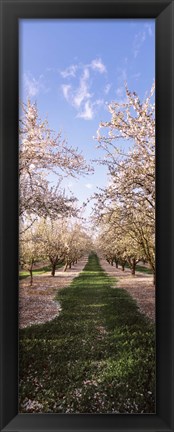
53	269
116	263
31	275
76	261
65	267
133	266
70	265
123	266
112	262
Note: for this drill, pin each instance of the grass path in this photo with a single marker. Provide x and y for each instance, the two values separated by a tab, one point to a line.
97	356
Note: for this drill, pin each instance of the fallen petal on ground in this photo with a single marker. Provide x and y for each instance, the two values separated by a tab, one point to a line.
140	286
36	303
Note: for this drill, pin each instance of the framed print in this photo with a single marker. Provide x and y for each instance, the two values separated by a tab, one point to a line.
87	211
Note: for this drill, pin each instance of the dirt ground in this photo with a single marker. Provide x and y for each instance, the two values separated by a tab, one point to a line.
140	286
36	303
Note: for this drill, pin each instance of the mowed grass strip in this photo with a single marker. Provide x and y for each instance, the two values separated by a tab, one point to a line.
97	356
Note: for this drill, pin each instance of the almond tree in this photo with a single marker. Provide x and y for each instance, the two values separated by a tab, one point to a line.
51	235
132	173
41	153
76	244
63	242
117	245
30	250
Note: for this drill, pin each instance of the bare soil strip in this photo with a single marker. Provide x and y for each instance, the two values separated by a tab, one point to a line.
36	303
139	286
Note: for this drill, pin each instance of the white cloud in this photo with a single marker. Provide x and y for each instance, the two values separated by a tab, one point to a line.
149	29
120	91
98	102
136	76
89	109
82	91
51	69
66	88
121	79
107	88
89	185
78	94
139	39
121	75
80	97
88	112
97	64
69	71
33	86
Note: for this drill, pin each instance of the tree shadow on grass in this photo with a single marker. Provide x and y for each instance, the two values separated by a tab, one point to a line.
97	356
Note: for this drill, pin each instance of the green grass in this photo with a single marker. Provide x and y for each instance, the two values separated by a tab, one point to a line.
24	273
97	356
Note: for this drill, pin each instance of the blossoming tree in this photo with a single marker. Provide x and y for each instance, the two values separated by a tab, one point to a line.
129	199
41	154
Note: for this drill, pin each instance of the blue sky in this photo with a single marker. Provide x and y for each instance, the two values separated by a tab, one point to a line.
73	68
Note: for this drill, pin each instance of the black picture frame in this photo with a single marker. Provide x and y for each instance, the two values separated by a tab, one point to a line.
163	12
